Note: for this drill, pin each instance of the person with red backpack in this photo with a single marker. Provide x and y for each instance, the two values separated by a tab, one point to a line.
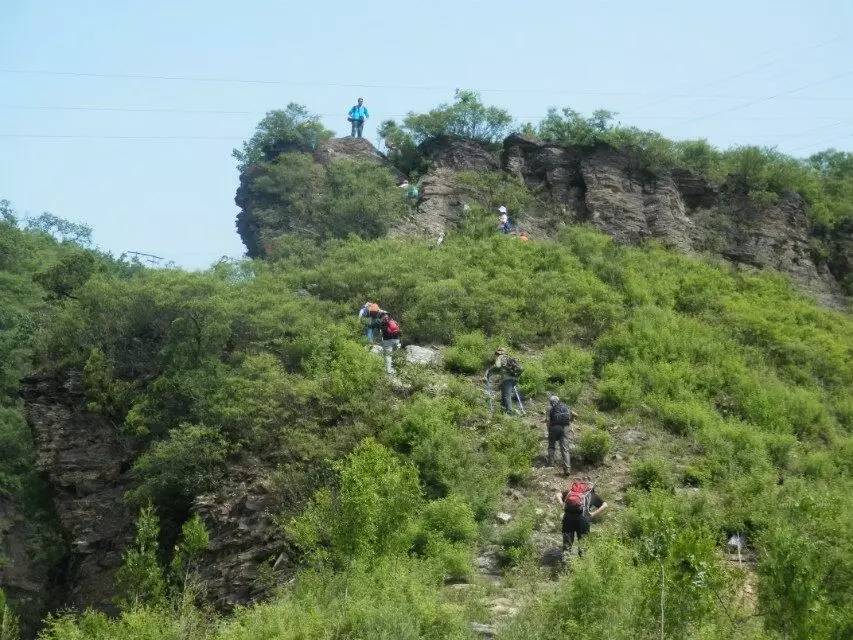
580	505
389	331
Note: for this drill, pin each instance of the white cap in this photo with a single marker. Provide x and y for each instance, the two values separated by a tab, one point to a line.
502	209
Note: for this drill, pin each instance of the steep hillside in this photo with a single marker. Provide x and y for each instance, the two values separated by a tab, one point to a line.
221	455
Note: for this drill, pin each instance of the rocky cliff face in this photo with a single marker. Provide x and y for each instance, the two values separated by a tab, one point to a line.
606	187
86	468
247	555
609	189
24	575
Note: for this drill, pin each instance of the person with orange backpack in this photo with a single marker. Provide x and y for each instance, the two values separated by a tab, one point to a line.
580	505
389	331
369	314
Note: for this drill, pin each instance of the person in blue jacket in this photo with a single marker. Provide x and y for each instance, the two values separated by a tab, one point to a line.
357	115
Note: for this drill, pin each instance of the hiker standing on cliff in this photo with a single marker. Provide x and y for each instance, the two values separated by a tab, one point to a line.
357	115
509	370
580	505
560	418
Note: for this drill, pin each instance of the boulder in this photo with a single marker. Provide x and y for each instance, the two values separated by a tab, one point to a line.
422	355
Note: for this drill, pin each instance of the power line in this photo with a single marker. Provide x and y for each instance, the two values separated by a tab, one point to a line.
133	109
773	97
749	70
109	137
353	85
820	143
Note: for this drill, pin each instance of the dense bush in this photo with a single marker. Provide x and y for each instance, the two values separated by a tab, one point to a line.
466	117
295	194
733	376
293	128
594	445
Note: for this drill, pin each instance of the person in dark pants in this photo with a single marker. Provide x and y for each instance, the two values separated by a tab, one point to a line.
580	505
357	115
509	370
560	418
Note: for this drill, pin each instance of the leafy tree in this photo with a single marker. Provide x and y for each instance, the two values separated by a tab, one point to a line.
188	462
194	541
466	117
296	195
140	579
571	128
61	229
63	278
293	128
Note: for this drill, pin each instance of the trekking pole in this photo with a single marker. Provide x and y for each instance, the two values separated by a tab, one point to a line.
520	403
488	393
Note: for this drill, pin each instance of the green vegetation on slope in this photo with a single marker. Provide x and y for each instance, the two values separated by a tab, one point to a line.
749	377
385	488
43	261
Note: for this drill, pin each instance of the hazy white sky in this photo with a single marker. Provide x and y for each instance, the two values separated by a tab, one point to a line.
146	160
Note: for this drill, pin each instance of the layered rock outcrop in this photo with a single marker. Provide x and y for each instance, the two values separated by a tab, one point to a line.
86	467
610	189
607	188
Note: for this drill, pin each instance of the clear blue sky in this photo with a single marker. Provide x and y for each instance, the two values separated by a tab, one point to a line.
776	72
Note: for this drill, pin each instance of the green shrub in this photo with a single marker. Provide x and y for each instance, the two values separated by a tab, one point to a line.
515	539
294	194
683	417
594	445
512	445
470	353
466	117
567	370
140	579
279	131
373	512
648	473
190	461
10	624
617	389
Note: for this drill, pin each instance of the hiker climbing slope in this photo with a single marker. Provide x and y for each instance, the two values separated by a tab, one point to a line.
504	223
560	418
370	314
509	371
357	115
580	505
389	330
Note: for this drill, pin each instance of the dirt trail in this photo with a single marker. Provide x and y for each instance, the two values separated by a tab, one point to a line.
497	593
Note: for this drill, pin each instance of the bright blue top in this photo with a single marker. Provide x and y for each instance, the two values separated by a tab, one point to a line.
359	113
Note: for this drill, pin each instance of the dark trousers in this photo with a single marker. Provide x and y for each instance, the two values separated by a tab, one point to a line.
507	393
357	127
574	525
557	435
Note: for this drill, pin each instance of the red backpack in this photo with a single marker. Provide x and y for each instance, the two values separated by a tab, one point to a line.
392	329
578	497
